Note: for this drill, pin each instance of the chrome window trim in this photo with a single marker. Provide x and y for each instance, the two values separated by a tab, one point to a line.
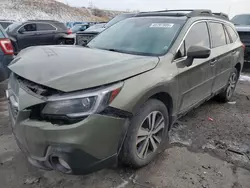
199	21
191	26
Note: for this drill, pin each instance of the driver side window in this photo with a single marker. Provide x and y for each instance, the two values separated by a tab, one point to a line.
197	36
28	28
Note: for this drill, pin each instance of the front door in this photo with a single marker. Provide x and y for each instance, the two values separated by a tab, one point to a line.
27	36
195	82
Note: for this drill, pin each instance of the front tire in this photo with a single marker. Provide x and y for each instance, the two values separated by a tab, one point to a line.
228	92
146	135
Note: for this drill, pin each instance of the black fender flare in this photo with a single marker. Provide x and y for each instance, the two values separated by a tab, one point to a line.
170	102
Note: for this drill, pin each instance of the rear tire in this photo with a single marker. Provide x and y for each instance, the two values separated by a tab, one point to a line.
147	134
228	92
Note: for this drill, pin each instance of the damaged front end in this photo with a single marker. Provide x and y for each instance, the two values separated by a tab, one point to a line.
68	132
82	39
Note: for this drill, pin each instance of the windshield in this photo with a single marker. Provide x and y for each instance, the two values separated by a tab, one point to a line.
5	24
243	19
142	36
13	26
118	19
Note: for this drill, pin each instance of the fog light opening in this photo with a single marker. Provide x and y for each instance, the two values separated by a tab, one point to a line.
60	164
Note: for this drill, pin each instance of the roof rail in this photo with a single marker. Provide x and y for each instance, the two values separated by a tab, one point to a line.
221	15
186	12
42	21
200	12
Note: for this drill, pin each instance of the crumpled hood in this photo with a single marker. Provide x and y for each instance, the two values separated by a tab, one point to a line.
71	68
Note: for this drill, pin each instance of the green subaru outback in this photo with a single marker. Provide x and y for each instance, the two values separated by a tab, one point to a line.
80	109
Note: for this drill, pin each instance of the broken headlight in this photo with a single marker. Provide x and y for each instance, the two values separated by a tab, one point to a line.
81	104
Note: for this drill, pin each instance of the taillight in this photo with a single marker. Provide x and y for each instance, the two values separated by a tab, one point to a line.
244	46
69	31
6	46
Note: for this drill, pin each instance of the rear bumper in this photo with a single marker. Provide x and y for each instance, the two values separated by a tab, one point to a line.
87	146
4	70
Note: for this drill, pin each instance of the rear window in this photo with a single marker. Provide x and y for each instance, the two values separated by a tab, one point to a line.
61	26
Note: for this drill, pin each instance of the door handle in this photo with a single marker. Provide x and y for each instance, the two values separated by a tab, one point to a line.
213	62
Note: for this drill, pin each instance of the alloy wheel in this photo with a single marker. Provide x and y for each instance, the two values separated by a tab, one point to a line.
150	134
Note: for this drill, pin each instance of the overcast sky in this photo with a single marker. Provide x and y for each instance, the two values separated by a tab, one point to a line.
232	6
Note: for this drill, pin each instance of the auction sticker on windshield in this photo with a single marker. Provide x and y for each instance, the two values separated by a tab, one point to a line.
162	25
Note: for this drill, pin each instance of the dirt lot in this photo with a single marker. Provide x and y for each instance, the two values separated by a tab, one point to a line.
210	148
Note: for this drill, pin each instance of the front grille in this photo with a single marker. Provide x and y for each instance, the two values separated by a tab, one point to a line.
83	39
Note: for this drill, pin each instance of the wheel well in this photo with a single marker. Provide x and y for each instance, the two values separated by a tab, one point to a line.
238	67
166	99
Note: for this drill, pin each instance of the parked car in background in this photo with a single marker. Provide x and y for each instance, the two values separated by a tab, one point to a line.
6	23
82	38
79	109
36	32
242	23
95	27
79	27
6	54
72	24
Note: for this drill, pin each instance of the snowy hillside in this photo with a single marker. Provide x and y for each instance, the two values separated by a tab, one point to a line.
20	10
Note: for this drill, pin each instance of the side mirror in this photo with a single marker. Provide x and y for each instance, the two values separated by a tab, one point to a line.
21	31
198	52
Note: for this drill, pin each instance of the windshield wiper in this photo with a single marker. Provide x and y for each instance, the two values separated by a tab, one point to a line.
114	50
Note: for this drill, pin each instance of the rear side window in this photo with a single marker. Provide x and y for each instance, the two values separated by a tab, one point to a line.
218	35
232	33
45	27
227	36
61	26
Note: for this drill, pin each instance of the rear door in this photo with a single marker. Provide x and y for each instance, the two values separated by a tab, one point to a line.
26	35
46	33
195	82
222	53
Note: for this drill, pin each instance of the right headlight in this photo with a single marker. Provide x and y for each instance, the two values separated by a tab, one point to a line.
82	103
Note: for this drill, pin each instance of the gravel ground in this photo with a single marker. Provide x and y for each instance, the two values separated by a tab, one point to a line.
210	148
